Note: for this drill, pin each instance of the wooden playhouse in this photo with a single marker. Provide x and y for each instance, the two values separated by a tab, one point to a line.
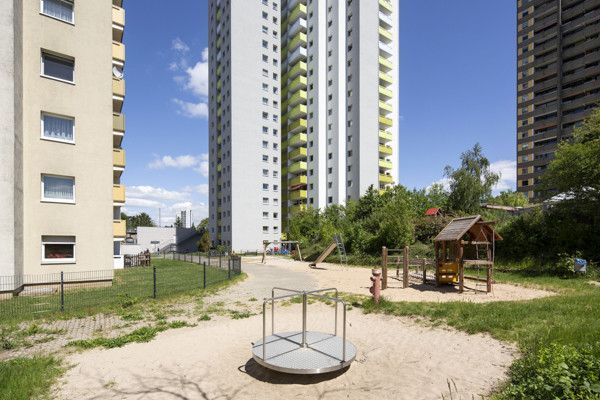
461	243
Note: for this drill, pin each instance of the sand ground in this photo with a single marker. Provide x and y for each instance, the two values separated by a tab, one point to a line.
397	357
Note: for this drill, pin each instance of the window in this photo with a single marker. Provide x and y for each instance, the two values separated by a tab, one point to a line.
58	67
58	249
265	172
265	215
59	9
265	200
58	128
59	189
265	229
265	186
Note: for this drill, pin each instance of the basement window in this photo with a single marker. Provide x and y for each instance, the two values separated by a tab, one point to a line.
58	249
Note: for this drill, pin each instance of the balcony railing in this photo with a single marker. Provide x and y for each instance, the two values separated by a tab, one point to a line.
387	179
119	122
297	140
297	167
119	193
119	158
119	228
119	87
386	150
297	195
118	51
298	153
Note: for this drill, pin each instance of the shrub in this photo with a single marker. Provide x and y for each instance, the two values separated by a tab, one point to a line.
556	372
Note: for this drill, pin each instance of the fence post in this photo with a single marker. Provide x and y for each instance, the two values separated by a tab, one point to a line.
229	268
220	265
424	270
154	281
209	258
62	291
204	275
384	262
405	268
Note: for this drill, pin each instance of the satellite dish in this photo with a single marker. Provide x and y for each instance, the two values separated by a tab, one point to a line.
117	72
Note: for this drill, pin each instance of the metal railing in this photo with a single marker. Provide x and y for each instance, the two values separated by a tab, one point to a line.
304	295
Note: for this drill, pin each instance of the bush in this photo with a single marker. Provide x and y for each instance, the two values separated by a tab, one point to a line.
556	372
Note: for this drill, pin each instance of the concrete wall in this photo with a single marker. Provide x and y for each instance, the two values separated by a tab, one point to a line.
146	235
89	160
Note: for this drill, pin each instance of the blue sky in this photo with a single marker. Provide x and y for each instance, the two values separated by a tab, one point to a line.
457	79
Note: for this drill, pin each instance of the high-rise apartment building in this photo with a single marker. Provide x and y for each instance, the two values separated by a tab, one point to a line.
61	128
302	98
558	79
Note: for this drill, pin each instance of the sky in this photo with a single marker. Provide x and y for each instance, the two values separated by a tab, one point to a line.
457	88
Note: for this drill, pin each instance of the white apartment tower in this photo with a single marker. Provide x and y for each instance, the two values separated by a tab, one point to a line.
337	133
244	123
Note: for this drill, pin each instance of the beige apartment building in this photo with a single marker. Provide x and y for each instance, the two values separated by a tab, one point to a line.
61	130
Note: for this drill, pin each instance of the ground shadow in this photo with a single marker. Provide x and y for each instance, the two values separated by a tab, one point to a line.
263	374
432	287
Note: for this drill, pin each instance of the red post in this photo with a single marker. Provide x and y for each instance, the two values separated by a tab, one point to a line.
375	288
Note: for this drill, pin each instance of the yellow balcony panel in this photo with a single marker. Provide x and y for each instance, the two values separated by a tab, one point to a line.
298	97
118	3
119	228
118	87
297	140
119	193
118	123
298	11
297	126
385	35
298	69
118	51
297	195
387	179
300	180
298	40
385	136
385	106
219	139
297	167
119	158
118	23
386	5
297	154
385	93
298	208
387	150
385	78
298	83
386	63
219	167
385	164
297	112
385	121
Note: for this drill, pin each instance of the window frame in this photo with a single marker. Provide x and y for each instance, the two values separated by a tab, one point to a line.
51	261
72	22
44	52
45	199
42	137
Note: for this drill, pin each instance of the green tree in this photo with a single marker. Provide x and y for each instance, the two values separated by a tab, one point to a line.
204	243
472	183
141	219
575	168
510	199
178	223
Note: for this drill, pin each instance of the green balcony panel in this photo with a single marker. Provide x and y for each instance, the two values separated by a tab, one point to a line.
387	179
387	150
298	153
297	167
385	121
297	195
297	126
297	112
385	93
385	164
298	139
300	180
385	136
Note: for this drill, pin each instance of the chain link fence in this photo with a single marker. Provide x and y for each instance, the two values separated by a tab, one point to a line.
38	296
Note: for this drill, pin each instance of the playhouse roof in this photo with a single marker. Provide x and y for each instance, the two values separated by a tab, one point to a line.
433	211
474	227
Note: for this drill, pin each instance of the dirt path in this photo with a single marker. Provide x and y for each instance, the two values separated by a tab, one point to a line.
397	358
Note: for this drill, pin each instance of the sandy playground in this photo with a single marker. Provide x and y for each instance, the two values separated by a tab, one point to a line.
397	357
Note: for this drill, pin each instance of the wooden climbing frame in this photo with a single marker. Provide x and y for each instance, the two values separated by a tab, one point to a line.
400	258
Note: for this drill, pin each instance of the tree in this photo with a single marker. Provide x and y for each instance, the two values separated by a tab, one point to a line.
575	169
142	219
178	223
472	183
204	243
510	199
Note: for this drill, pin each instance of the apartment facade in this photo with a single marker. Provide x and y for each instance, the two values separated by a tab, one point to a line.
61	72
302	98
558	79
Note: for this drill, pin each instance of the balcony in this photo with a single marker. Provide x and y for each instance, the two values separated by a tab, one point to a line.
298	26
385	164
385	50
118	95
299	153
118	123
297	195
118	51
298	69
297	167
298	11
119	158
385	6
297	208
297	98
385	20
385	93
385	136
385	79
119	194
297	126
385	35
386	179
385	150
385	63
297	112
118	23
298	83
299	54
387	122
297	181
298	40
119	228
385	107
297	140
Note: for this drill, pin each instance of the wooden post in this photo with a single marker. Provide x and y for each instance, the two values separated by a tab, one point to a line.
461	269
299	252
424	266
490	275
405	268
384	271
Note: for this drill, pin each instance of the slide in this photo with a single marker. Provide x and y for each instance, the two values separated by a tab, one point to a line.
323	255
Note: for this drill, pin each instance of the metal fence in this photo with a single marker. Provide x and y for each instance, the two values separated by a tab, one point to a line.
37	296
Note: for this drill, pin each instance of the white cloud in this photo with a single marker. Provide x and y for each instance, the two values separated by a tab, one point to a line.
179	46
201	189
186	161
158	193
192	110
508	174
133	202
202	168
197	76
445	182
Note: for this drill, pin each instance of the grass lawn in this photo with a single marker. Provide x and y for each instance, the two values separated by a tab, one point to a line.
568	321
28	378
129	286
